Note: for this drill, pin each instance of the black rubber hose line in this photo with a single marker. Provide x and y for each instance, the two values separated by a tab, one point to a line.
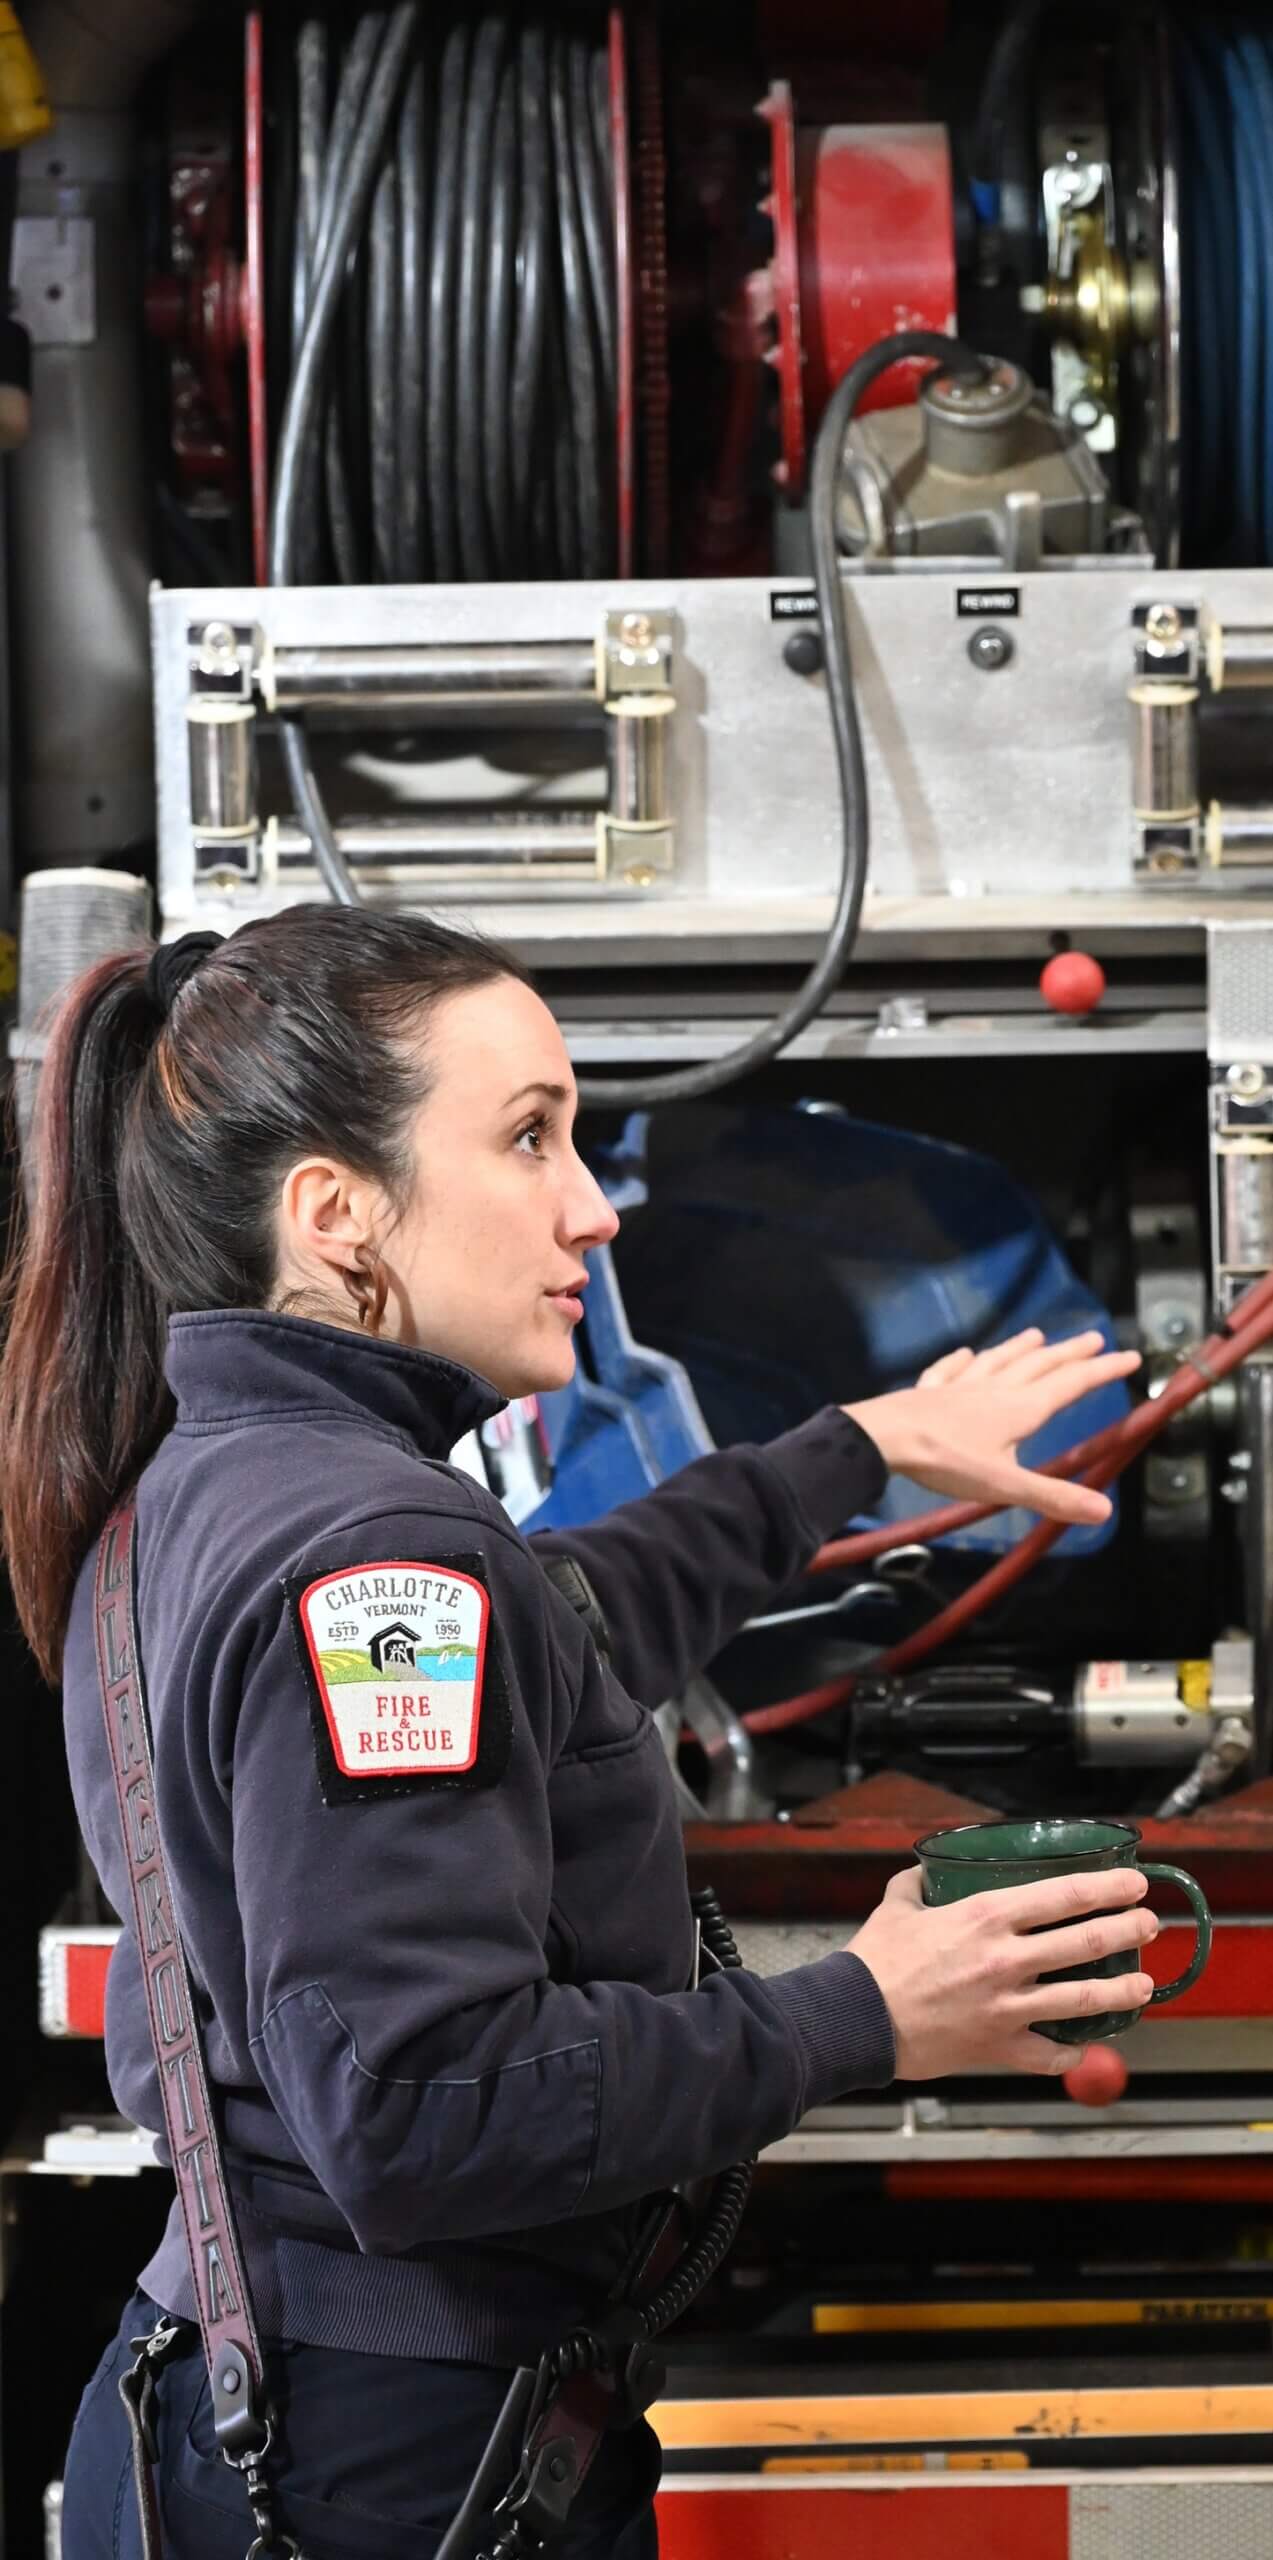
304	402
479	118
351	91
346	428
466	260
527	399
414	141
592	187
497	348
443	284
467	425
311	130
582	412
560	471
689	1084
382	369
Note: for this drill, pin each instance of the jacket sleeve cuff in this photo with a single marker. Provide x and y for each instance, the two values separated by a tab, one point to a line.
831	1468
838	2014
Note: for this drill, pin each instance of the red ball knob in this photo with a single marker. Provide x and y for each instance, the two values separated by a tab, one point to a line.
1072	983
1100	2079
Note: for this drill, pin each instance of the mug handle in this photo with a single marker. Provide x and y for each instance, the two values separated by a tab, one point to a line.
1197	1901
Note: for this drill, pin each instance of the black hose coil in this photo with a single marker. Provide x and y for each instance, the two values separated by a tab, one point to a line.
467	384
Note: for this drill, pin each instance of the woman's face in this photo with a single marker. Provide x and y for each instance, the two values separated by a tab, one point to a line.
485	1263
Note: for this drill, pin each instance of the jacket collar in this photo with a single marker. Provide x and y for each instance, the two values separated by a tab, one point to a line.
241	1364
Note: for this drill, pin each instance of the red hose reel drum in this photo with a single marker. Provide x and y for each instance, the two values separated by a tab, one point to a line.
864	245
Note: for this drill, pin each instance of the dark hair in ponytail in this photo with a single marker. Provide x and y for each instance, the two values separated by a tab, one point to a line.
160	1145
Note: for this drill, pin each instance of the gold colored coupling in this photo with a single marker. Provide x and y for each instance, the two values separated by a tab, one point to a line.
25	112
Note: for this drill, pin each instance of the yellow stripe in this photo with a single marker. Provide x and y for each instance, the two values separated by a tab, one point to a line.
805	2462
952	2417
883	2319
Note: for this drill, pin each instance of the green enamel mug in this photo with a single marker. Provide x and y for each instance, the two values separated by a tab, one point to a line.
981	1857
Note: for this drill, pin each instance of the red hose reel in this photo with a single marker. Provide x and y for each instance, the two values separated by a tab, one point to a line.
864	245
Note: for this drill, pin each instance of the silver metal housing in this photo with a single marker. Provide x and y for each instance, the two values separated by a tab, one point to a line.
1001	796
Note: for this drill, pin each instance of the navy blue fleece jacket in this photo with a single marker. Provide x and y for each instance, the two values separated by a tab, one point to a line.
424	1847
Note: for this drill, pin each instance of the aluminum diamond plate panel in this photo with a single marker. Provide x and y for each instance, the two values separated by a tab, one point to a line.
1171	2520
1240	993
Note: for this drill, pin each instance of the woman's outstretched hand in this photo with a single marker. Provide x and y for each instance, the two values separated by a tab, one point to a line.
957	1431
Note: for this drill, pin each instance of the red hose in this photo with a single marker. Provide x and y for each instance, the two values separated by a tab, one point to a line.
1102	1459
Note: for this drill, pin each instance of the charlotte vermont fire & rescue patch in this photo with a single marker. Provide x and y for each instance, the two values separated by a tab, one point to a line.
405	1683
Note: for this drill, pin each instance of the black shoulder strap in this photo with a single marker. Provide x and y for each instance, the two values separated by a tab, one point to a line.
230	2340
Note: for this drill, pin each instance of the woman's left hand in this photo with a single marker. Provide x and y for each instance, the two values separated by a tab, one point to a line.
958	1430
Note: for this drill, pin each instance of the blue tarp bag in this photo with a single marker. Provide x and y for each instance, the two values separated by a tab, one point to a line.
772	1261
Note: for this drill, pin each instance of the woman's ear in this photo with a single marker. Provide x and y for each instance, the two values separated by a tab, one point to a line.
326	1215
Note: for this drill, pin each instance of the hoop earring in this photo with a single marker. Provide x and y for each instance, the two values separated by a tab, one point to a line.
367	1284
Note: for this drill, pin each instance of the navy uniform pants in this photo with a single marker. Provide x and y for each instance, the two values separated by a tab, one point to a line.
374	2456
